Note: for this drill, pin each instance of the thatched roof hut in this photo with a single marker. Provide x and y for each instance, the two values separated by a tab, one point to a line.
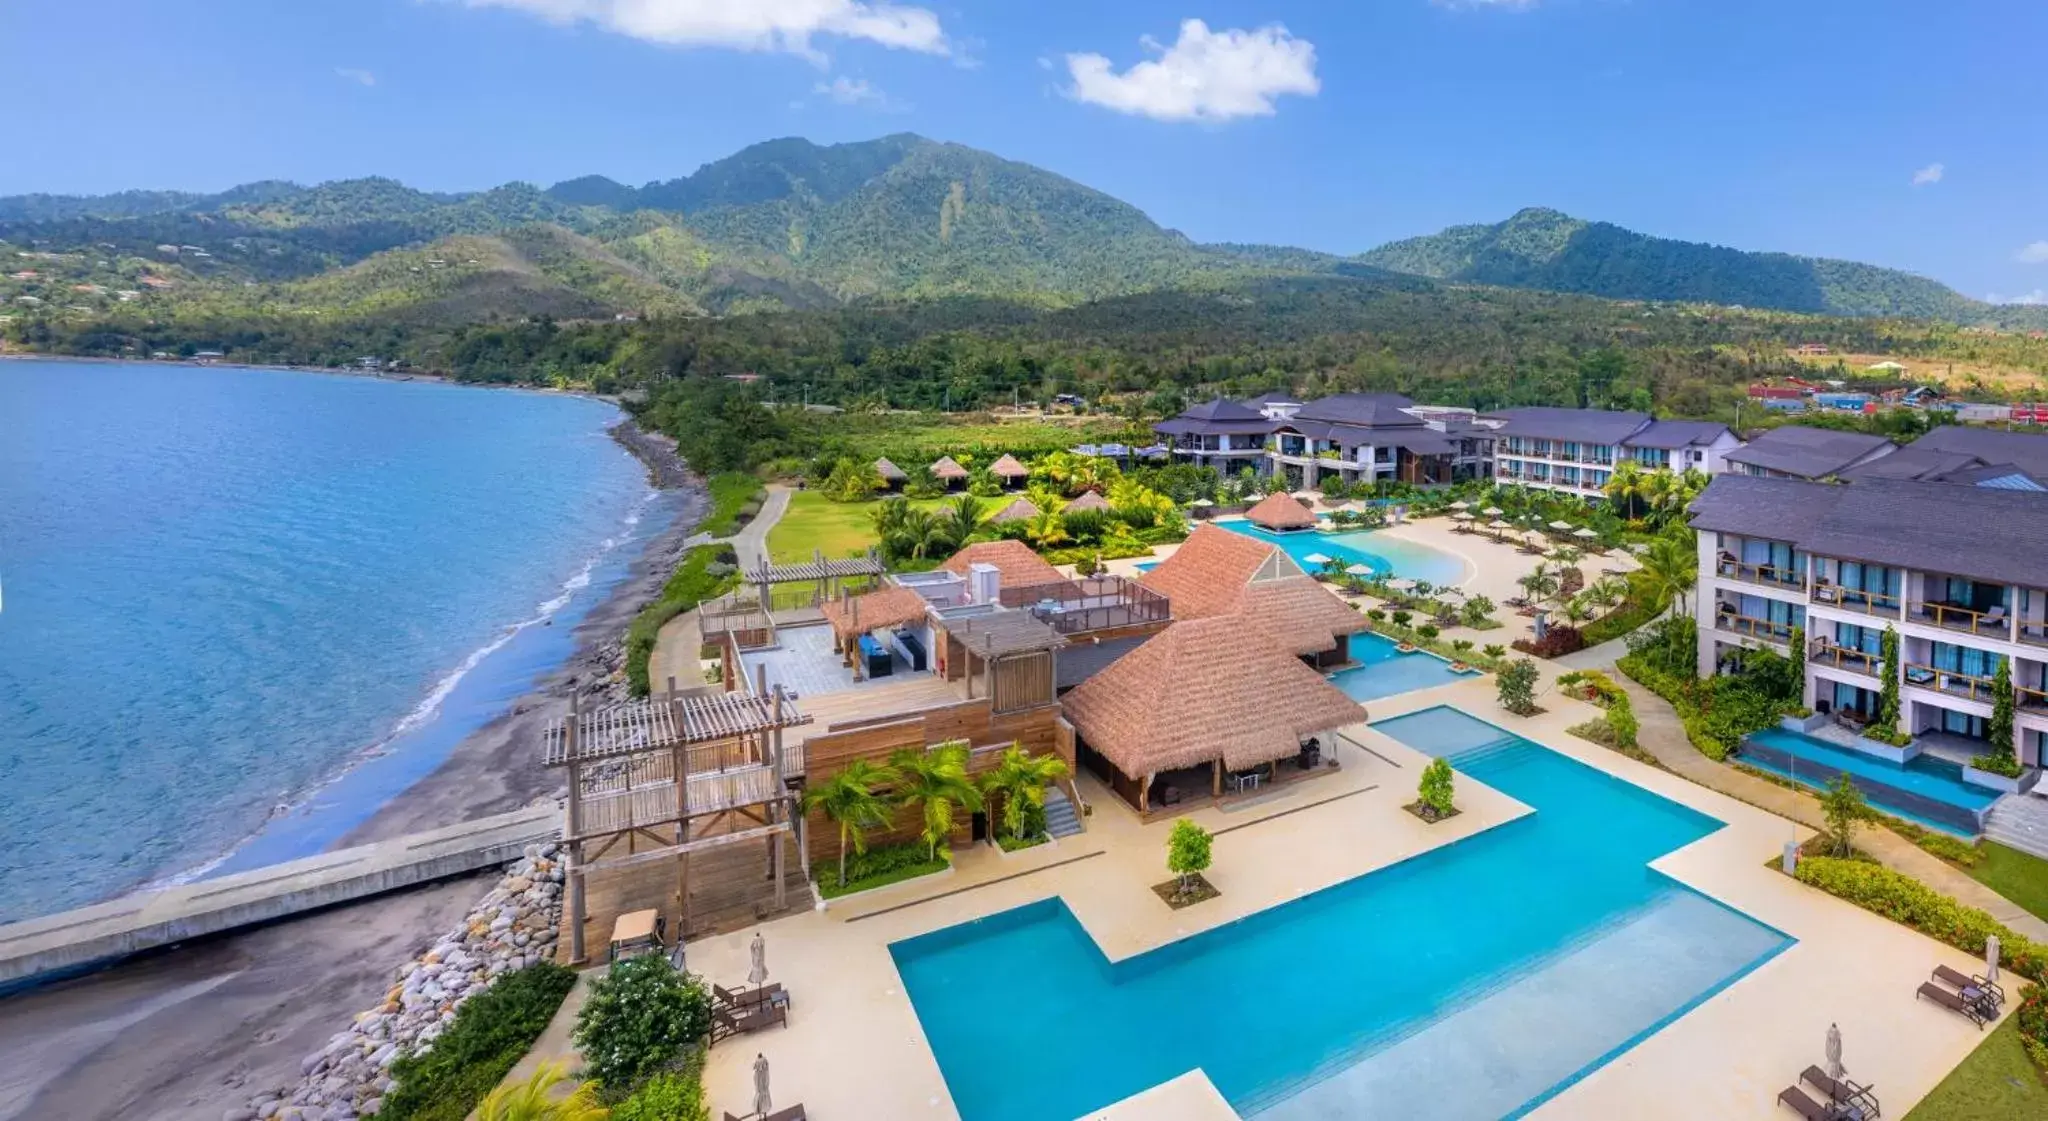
948	470
881	609
1008	469
1088	501
1021	510
1016	565
1280	511
1219	573
1201	691
890	473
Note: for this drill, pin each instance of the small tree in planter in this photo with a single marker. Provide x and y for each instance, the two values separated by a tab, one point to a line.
1187	857
1843	807
1433	795
2002	759
1888	696
1517	685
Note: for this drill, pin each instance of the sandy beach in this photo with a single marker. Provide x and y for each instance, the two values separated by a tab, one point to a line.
191	1032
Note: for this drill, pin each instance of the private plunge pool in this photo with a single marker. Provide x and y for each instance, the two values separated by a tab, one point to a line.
1385	671
1384	555
1472	982
1925	789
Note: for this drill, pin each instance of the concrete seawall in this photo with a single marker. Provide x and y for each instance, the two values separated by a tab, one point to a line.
148	920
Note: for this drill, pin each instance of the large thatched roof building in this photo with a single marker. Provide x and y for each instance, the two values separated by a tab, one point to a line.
1217	572
1280	512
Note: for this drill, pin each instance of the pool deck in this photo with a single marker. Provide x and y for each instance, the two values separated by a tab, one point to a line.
854	1047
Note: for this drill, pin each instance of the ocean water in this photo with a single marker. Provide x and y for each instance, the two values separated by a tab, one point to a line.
244	608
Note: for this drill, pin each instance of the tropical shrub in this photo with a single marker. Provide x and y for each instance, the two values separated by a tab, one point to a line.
2033	1020
1018	781
934	782
534	1099
639	1018
1903	899
880	866
1494	650
1403	618
1377	614
1428	631
487	1035
1434	792
669	1096
1558	640
1188	850
850	800
1517	686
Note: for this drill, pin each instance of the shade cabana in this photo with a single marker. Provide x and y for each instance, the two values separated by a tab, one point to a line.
1280	512
1021	510
1089	500
1204	693
893	476
881	609
1009	470
1006	656
947	471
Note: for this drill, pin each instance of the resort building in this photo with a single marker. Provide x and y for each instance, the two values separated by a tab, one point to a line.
1574	451
1960	572
1795	451
1219	573
1221	434
1373	436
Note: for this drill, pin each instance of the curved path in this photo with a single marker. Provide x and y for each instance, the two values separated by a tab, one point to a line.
675	648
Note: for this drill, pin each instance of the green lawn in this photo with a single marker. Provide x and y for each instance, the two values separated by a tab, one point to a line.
814	522
2015	875
1996	1083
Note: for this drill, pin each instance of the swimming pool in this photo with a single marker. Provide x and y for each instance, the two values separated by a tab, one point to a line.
1386	671
1474	981
1362	546
1925	789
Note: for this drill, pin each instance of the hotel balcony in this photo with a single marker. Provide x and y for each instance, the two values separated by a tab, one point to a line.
1954	617
2033	632
1824	653
2030	700
1770	576
1728	621
1967	686
1855	599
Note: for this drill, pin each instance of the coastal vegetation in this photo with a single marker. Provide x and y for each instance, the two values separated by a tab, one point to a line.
706	572
535	1098
879	866
1719	711
640	1017
735	497
487	1036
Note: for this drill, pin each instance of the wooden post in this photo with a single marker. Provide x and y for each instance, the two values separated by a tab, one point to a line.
1217	772
781	793
1145	794
573	827
577	956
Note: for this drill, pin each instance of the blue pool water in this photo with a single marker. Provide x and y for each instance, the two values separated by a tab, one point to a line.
1892	787
223	586
1472	982
1147	566
1381	553
1386	671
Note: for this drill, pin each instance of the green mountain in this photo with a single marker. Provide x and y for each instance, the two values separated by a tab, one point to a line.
1548	250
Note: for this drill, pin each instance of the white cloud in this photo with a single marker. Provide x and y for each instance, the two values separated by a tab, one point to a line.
751	25
1928	175
1204	76
2035	254
355	74
854	91
2037	296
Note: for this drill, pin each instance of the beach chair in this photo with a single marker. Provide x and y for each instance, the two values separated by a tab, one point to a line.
1972	988
793	1113
745	999
1953	1002
1850	1099
727	1022
1801	1104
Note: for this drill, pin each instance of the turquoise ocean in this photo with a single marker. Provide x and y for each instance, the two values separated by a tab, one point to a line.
242	609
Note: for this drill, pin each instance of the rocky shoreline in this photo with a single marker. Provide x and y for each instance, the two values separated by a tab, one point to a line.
513	926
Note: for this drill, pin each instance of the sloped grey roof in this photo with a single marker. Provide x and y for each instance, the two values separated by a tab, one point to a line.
1807	452
1898	522
1082	660
1912	462
1365	410
1586	426
1992	445
2008	475
1215	418
1221	409
1424	442
1672	434
1271	397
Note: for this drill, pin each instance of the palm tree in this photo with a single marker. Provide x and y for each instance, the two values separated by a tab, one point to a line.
1047	530
963	516
534	1100
935	781
1541	583
1673	566
1576	610
849	799
1625	485
1019	780
1608	590
921	534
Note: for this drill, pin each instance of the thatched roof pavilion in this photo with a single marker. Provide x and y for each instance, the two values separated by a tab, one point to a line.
886	607
1088	501
1021	510
1280	511
890	473
1204	692
1008	469
1017	566
949	470
1219	573
1301	616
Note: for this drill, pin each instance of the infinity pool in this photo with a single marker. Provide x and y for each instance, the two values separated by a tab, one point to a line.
1928	790
1473	982
1385	671
1362	546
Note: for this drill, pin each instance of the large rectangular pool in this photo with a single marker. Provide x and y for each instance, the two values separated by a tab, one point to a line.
1473	982
1385	671
1384	555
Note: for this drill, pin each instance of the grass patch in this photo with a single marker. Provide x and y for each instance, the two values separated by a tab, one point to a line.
731	495
489	1033
1996	1083
694	581
877	867
814	523
2016	875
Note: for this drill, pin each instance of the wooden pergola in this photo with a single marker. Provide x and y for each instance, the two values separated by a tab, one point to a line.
829	577
682	774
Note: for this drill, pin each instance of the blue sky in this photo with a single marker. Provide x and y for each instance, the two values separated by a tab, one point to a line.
1902	133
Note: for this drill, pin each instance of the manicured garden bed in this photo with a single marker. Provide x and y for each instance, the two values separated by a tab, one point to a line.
877	867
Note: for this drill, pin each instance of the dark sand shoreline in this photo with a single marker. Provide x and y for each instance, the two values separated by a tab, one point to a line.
193	1032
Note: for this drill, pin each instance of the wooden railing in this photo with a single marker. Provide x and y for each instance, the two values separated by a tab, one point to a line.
1756	628
1856	599
1844	657
1950	617
2033	700
1948	681
2034	634
1769	575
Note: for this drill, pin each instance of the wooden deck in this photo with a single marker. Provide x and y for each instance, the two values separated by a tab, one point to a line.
900	698
731	888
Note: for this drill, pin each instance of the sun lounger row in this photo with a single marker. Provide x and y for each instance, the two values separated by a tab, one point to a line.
1843	1100
1973	998
793	1113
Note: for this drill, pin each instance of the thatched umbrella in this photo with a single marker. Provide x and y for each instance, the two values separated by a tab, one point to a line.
1461	505
1584	534
1008	469
1359	570
1561	526
1492	511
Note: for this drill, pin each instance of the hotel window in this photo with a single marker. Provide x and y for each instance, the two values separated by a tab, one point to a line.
1965	659
1852	637
1873	578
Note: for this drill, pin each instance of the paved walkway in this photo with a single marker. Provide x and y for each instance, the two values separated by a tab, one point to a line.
675	648
751	542
1661	734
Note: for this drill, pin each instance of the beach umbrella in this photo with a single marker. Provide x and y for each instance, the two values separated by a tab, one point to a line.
1492	511
1991	960
1639	548
1584	534
1359	570
762	1104
1461	504
1400	583
1560	526
1498	524
1462	516
1835	1068
1201	504
757	975
1317	559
